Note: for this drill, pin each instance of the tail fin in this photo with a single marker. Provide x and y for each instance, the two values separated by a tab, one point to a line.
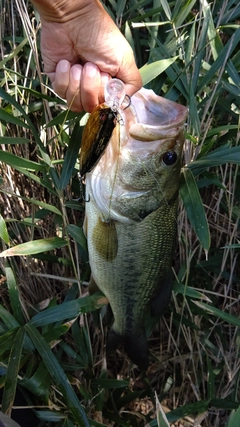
135	346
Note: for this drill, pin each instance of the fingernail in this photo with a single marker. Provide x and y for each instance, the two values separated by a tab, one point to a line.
76	72
63	66
91	69
105	77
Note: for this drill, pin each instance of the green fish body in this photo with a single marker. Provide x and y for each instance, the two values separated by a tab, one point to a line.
131	217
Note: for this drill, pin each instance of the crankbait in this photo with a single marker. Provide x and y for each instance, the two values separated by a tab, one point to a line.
100	126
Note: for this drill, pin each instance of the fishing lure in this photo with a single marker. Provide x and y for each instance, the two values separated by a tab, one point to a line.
100	126
96	135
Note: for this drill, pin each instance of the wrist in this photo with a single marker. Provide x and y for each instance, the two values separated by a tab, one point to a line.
63	10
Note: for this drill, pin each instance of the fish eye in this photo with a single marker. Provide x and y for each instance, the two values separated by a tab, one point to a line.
169	158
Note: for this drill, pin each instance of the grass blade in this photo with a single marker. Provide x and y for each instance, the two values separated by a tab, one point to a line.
221	59
15	161
3	231
150	71
7	421
34	247
194	207
161	417
218	157
228	318
13	140
14	295
58	376
77	233
70	157
9	118
234	418
6	340
39	382
12	372
71	310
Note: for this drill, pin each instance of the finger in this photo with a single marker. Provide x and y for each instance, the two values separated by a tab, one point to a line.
105	77
73	95
90	86
61	79
130	75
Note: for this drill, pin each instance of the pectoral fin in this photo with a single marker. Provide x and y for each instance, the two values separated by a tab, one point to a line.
105	239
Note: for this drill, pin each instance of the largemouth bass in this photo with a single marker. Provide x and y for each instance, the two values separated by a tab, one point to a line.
130	220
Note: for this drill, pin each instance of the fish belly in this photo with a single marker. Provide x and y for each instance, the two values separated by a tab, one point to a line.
136	274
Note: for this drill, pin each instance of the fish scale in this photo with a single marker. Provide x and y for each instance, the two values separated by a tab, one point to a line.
131	218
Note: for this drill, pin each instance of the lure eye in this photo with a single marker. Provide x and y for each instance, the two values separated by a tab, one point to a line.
169	158
103	116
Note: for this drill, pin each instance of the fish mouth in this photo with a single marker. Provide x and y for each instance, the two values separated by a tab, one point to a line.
158	114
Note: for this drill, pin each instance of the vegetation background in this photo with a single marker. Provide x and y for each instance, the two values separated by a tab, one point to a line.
52	341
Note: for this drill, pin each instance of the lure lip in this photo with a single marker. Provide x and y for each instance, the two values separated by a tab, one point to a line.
114	94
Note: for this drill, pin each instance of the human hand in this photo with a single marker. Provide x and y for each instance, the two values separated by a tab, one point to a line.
81	49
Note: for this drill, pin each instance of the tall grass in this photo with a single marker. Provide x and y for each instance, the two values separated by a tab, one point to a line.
51	331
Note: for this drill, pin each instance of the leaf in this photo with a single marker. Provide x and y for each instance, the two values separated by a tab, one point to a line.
12	372
13	140
181	11
41	95
15	161
161	417
221	59
3	231
150	71
34	247
194	207
44	205
72	204
10	118
46	182
14	53
83	344
6	340
64	117
39	382
55	333
14	295
217	157
234	418
108	383
58	376
77	233
8	319
11	100
183	411
50	416
188	291
229	318
7	421
69	310
70	157
167	10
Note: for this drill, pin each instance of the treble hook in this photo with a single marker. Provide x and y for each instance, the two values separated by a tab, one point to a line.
129	102
81	178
